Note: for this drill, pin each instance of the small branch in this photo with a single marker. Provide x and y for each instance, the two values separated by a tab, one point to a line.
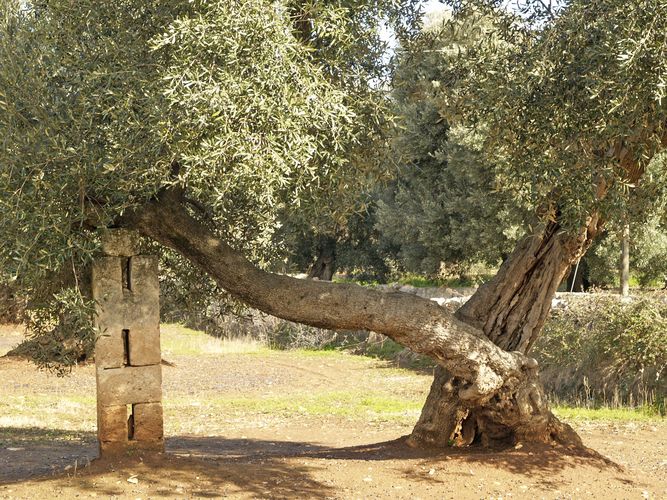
548	9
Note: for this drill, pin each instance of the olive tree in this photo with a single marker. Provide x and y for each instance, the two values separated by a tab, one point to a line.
573	107
194	123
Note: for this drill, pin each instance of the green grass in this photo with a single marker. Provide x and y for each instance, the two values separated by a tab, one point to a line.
369	406
424	282
345	279
389	350
177	340
608	414
421	281
63	412
349	404
332	352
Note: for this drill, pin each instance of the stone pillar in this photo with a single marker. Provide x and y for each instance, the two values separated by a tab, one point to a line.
127	352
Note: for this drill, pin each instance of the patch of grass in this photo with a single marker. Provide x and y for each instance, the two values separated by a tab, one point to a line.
63	412
326	352
388	349
452	282
348	404
608	414
177	340
37	402
396	353
346	279
421	281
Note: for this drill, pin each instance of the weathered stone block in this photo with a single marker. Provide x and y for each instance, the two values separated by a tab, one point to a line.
144	278
126	288
140	314
112	423
119	242
107	278
110	350
129	385
148	422
145	346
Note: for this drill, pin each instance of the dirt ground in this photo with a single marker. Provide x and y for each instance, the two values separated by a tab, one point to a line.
251	423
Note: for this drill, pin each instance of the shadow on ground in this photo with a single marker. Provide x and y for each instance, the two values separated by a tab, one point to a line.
531	460
258	467
31	452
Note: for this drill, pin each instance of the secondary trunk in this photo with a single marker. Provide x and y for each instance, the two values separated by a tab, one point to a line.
11	306
484	375
325	264
511	310
625	261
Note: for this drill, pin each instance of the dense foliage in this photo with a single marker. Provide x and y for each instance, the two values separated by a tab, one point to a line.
601	349
443	208
255	106
573	106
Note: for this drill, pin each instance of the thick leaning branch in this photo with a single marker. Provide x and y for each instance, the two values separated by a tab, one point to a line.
417	323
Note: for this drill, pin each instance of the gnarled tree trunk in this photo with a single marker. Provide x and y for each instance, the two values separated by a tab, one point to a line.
511	310
498	385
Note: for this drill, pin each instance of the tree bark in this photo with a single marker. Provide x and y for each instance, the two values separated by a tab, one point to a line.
485	376
625	261
511	310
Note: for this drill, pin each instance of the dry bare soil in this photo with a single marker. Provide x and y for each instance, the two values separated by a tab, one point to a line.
246	422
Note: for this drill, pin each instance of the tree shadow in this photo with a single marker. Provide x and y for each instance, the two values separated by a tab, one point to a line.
529	459
176	475
541	463
229	466
258	467
31	452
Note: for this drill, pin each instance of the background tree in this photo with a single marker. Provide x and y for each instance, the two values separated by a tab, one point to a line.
443	206
354	246
648	235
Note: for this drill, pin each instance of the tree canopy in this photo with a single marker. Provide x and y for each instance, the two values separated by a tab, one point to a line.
257	107
444	207
573	106
105	103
